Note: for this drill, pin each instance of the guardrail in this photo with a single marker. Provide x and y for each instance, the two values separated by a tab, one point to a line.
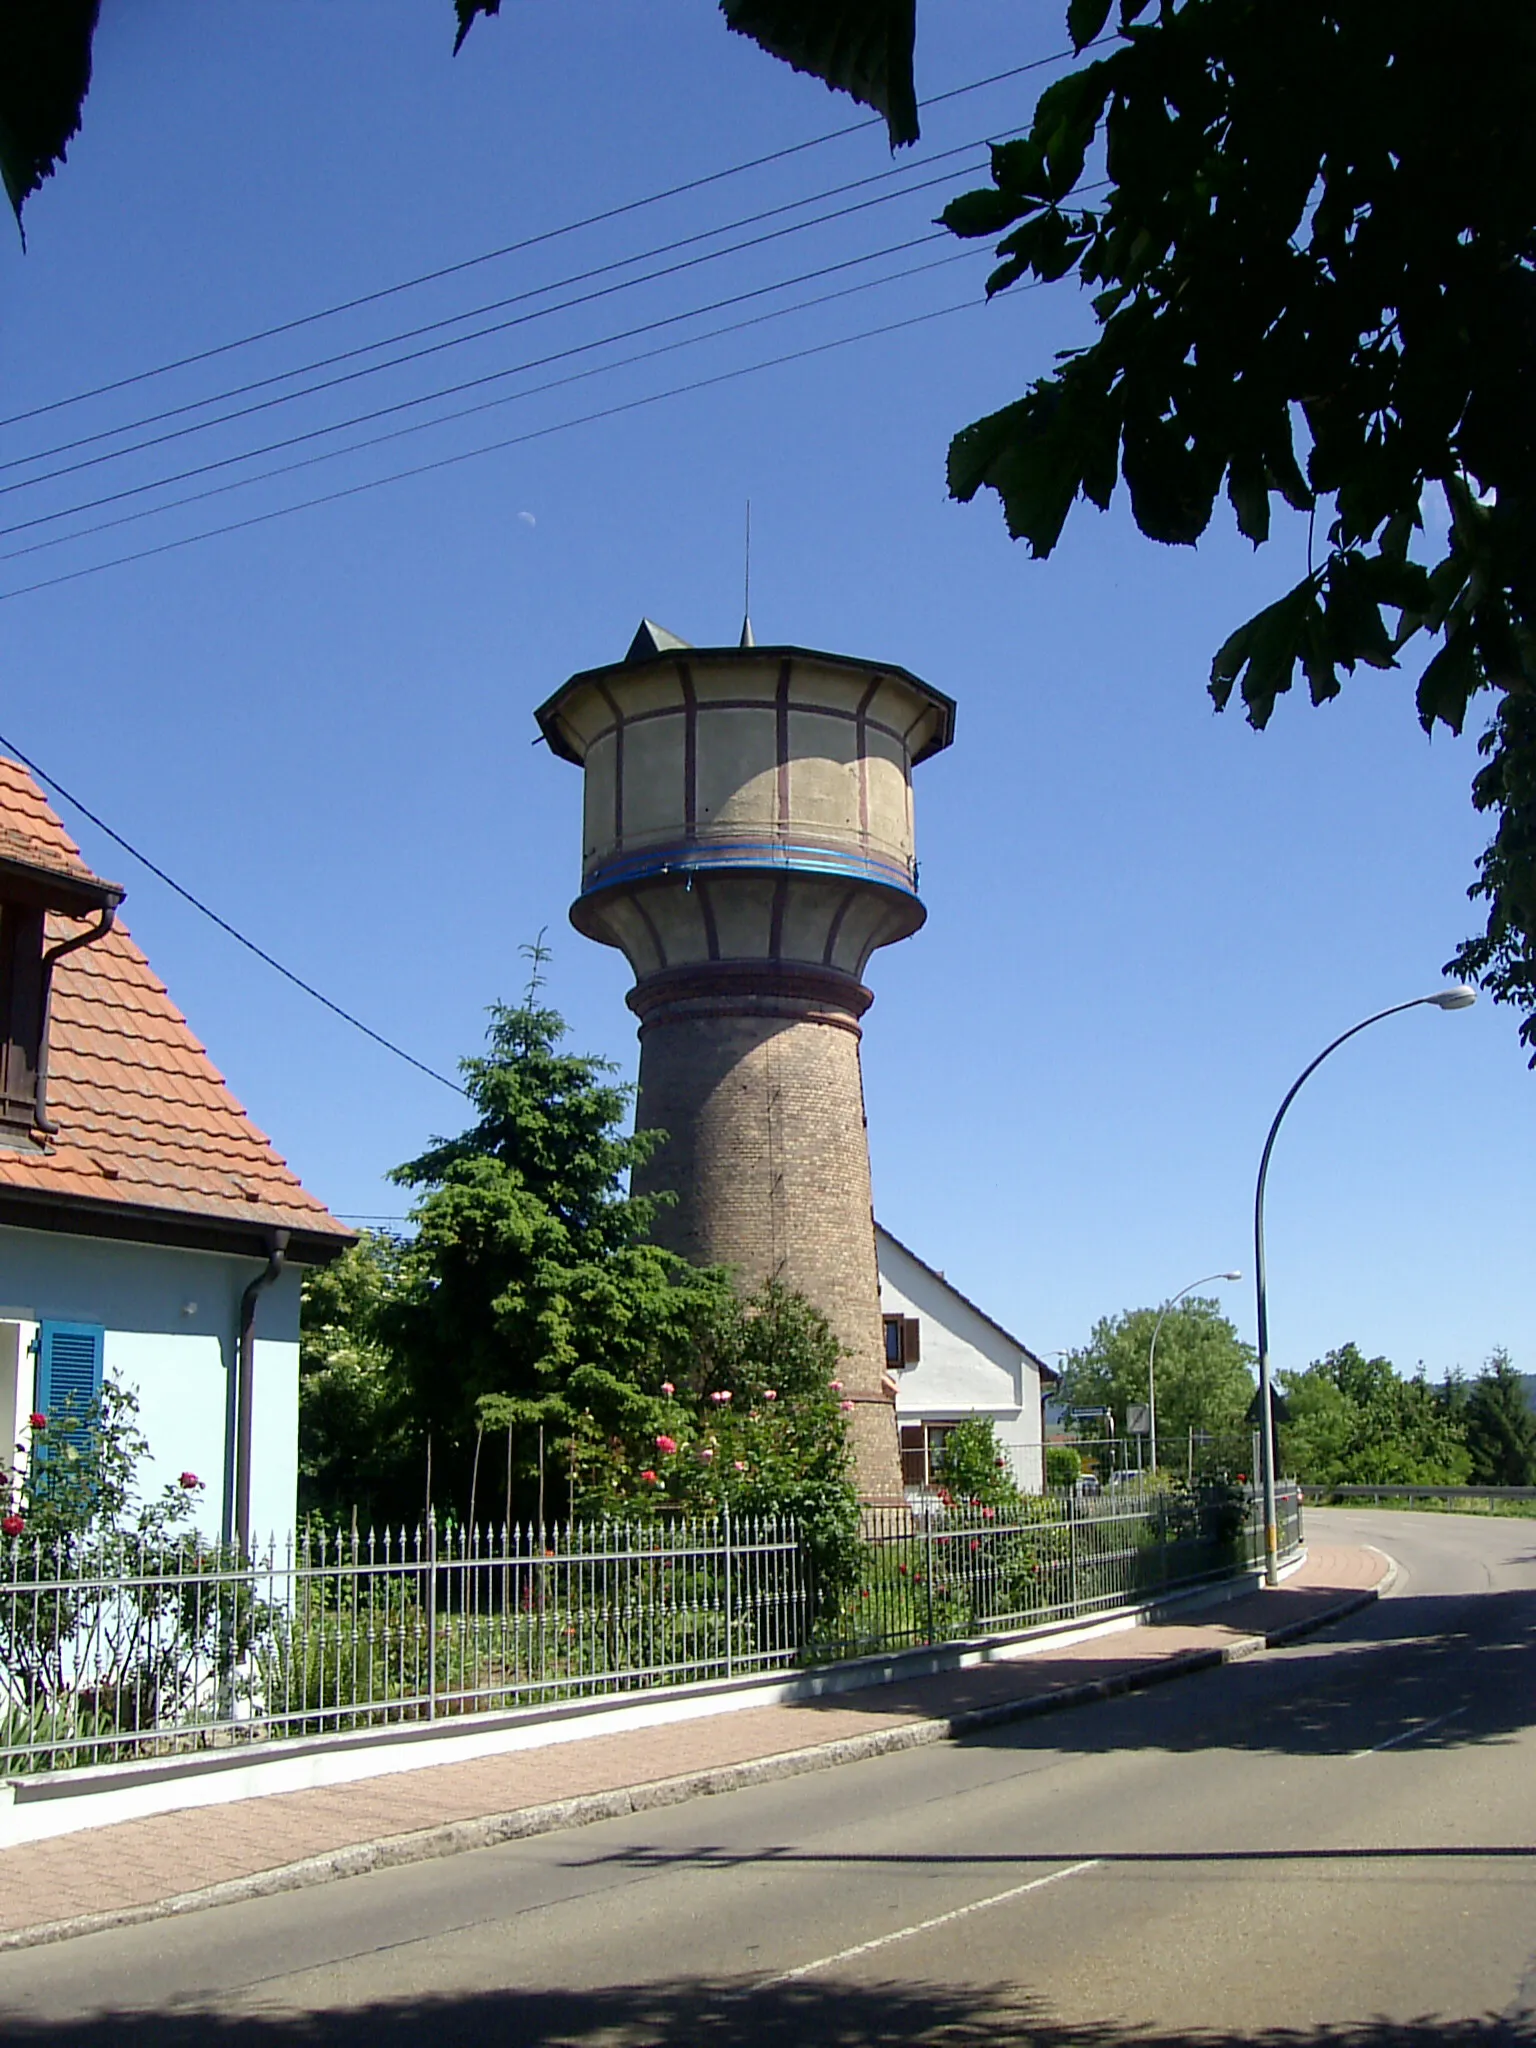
1451	1493
119	1649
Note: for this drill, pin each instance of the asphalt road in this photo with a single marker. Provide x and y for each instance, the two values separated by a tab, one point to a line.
1334	1843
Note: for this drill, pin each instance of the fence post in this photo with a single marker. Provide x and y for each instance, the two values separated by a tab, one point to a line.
431	1617
928	1567
725	1517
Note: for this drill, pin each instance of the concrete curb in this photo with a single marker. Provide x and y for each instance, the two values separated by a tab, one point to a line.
425	1845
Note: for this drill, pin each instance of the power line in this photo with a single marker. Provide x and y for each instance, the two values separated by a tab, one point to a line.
488	448
490	306
223	923
437	348
60	540
517	248
457	390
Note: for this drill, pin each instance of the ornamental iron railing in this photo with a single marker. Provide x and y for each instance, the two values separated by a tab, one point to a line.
117	1650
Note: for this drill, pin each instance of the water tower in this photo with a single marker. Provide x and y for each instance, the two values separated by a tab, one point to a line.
748	844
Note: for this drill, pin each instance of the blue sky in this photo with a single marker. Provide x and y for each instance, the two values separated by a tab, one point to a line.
1144	919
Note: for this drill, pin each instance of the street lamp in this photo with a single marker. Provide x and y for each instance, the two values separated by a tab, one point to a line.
1204	1281
1458	998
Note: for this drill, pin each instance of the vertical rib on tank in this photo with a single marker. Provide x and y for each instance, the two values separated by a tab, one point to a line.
748	844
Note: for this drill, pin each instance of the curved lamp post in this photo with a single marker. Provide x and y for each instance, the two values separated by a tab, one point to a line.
1204	1281
1459	998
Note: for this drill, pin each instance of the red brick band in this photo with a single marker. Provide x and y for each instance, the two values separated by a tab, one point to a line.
751	988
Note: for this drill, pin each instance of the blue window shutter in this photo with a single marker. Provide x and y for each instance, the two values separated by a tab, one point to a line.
69	1371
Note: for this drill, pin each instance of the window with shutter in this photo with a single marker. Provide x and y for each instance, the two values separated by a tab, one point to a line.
914	1455
911	1340
895	1350
21	1014
69	1377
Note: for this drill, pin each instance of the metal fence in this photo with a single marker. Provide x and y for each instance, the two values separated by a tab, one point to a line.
121	1650
952	1572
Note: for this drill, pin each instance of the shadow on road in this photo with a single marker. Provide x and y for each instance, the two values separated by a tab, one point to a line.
1435	1670
717	2014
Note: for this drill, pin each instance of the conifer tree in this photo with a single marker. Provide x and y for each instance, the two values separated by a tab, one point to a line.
1500	1426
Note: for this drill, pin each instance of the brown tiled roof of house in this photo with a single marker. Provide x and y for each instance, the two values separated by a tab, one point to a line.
147	1125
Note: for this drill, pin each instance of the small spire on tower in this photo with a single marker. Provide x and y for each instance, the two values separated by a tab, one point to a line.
747	638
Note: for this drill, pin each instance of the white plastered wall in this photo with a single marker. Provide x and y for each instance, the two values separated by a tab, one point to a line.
170	1320
967	1365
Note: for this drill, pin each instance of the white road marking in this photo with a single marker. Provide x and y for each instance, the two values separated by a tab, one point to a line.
865	1948
1407	1734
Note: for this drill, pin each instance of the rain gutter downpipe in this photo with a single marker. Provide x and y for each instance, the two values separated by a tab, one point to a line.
108	912
245	1380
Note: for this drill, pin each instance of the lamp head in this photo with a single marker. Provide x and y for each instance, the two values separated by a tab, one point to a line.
1458	998
1231	1276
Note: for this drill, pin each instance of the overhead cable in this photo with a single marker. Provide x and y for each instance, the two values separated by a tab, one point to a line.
491	306
484	405
479	383
516	248
456	341
489	448
223	923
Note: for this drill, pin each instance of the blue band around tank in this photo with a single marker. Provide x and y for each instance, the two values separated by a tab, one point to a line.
775	855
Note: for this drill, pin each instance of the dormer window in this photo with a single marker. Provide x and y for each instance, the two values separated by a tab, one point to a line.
29	890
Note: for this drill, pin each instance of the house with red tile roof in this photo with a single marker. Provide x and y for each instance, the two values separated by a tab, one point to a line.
149	1232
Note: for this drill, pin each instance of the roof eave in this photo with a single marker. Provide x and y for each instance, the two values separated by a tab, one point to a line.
309	1244
1046	1372
54	888
547	715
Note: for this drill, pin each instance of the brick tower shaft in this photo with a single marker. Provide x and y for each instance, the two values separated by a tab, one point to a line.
759	1089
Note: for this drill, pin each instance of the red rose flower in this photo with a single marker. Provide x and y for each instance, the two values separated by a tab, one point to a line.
650	1478
37	1421
11	1525
189	1480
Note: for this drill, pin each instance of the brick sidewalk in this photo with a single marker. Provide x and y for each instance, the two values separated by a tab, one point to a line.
134	1868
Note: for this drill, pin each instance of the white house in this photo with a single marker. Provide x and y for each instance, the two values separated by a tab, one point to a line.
951	1361
148	1231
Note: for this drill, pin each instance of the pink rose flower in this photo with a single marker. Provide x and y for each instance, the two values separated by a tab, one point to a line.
741	1464
190	1481
720	1398
846	1407
666	1445
668	1389
650	1478
770	1393
837	1386
706	1456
